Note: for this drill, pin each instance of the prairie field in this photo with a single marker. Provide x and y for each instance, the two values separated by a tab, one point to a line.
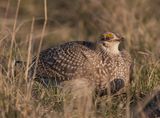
29	26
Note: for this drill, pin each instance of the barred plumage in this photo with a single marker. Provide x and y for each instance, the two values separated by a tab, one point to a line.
101	62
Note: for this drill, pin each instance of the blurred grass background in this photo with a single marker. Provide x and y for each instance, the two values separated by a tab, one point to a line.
137	20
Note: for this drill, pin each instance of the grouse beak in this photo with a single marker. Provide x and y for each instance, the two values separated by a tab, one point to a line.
120	39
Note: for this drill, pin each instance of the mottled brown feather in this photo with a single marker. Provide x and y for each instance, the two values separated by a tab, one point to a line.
78	59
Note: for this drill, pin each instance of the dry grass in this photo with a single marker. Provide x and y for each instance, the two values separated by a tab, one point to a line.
28	26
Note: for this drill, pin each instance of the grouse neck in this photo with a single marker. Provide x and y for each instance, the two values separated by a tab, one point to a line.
114	49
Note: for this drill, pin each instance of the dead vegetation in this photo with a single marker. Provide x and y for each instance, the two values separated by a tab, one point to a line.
28	26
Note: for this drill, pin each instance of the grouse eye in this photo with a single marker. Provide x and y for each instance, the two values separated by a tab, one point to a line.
103	44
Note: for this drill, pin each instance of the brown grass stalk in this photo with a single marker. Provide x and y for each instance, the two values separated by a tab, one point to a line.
13	37
42	35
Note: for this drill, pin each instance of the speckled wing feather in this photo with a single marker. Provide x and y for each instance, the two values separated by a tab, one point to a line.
126	56
62	62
